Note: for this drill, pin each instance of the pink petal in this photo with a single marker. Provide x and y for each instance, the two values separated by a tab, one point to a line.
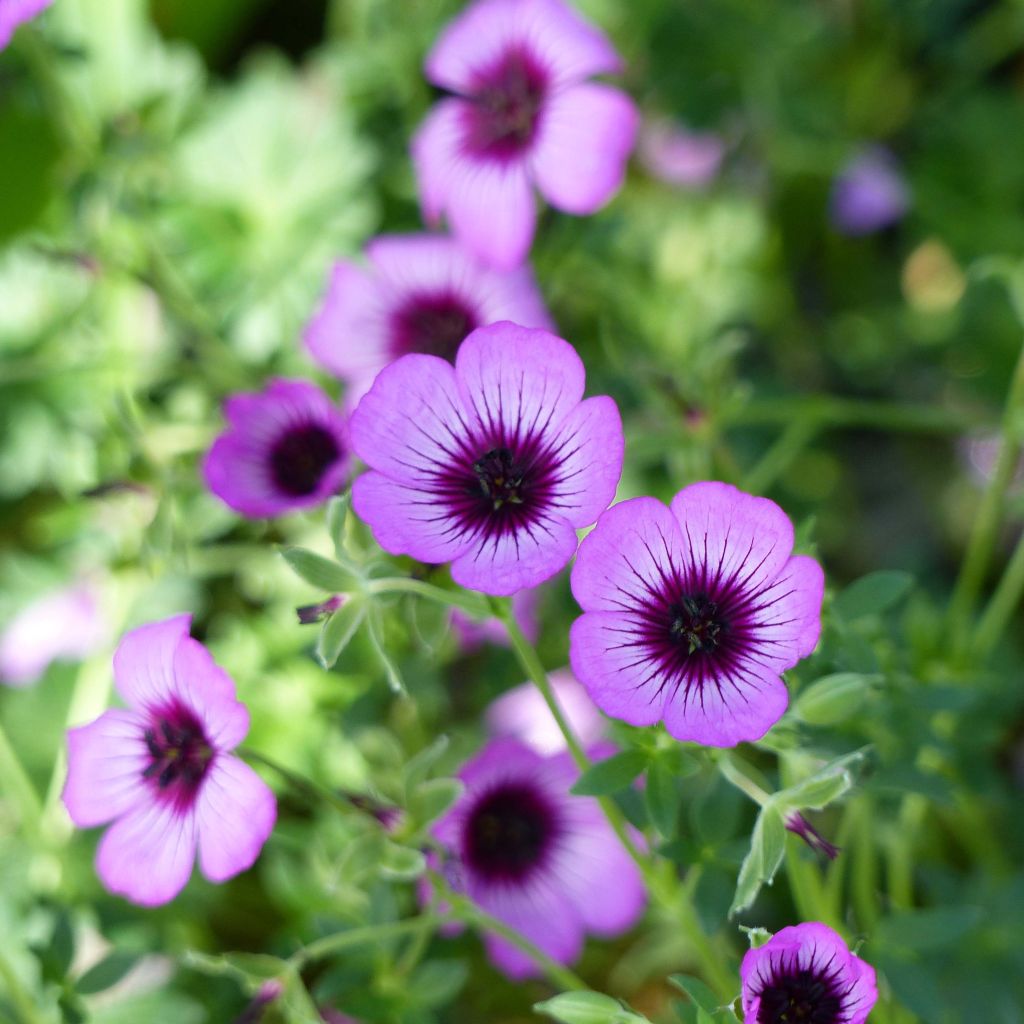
585	136
789	616
348	335
412	419
519	379
436	149
621	678
144	662
147	855
505	564
738	707
106	760
210	692
738	535
626	556
591	447
406	520
236	471
235	814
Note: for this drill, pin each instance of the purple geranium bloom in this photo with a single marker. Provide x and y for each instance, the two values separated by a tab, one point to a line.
524	714
869	193
163	773
544	862
693	612
286	448
806	973
421	293
522	114
62	626
14	12
677	156
493	464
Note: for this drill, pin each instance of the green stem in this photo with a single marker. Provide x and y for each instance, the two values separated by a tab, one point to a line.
19	786
732	773
1003	604
367	935
984	532
22	1001
453	598
666	891
793	439
864	864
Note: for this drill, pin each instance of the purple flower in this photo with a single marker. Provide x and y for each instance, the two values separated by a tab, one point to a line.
680	157
806	973
162	770
522	115
869	193
542	861
472	634
286	448
62	626
693	612
421	293
493	464
14	12
523	714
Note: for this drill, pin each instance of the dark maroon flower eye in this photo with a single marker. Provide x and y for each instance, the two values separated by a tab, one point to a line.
179	752
802	996
505	105
300	458
432	324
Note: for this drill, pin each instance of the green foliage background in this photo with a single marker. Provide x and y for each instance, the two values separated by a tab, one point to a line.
175	180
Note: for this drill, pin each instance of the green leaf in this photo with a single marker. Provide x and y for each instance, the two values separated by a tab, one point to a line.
107	973
337	514
759	866
920	931
391	673
611	775
833	698
874	593
698	992
825	785
320	572
337	632
437	982
663	795
432	798
418	766
586	1008
402	862
756	936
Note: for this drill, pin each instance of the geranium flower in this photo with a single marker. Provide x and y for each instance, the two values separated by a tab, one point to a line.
286	448
14	12
806	973
869	193
162	770
62	626
544	862
522	713
692	613
420	293
493	464
522	115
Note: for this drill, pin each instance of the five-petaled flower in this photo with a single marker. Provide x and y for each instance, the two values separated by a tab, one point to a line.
286	448
692	613
14	12
806	973
420	293
493	464
162	772
542	861
522	113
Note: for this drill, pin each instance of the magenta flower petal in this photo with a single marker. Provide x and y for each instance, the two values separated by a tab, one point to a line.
536	857
806	972
286	449
521	117
693	612
163	772
14	12
583	142
678	156
235	813
493	465
147	854
420	293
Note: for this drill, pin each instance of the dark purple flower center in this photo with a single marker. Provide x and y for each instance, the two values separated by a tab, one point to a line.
509	832
433	324
499	486
695	623
300	457
802	996
505	106
179	752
